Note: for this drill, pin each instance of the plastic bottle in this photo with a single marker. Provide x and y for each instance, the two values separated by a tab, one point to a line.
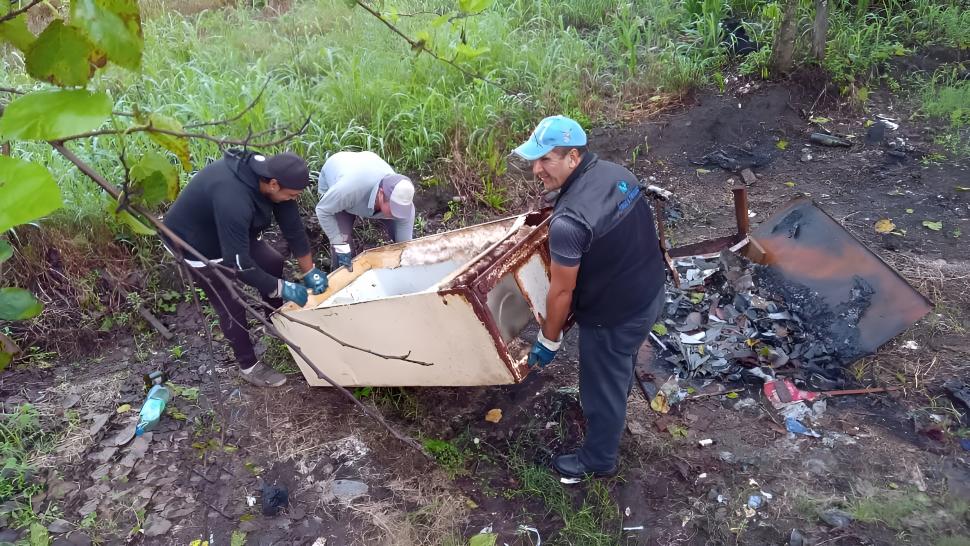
151	410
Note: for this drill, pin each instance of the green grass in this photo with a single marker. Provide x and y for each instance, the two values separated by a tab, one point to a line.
889	509
945	96
596	519
21	437
364	89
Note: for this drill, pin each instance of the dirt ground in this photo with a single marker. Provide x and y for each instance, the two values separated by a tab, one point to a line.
893	462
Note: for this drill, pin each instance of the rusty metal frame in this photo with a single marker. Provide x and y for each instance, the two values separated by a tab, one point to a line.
504	258
718	244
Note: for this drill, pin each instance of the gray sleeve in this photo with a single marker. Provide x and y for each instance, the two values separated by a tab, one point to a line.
568	240
328	222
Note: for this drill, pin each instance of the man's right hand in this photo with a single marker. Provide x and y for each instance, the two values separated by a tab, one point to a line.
543	351
296	293
344	256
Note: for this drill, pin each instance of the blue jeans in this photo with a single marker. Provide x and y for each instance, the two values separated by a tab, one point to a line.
607	356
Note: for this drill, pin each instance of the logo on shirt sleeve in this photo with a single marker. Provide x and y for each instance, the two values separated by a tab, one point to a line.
622	186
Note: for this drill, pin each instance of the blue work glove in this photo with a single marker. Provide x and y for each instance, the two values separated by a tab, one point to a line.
344	256
543	351
290	291
315	280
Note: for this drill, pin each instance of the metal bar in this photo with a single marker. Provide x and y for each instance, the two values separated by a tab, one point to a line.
658	207
741	210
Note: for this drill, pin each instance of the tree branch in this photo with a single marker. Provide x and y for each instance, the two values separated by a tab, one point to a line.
291	318
13	14
421	46
242	113
233	289
222	142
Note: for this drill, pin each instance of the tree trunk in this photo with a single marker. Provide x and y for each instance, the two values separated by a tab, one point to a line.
821	29
783	48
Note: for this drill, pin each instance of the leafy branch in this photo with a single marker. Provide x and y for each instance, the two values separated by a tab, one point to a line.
10	15
221	141
421	45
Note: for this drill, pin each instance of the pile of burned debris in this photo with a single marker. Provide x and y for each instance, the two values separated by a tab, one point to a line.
730	314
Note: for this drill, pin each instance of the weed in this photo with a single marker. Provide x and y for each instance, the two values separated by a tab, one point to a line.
493	196
278	356
398	400
22	437
946	96
594	522
177	352
889	508
451	459
454	210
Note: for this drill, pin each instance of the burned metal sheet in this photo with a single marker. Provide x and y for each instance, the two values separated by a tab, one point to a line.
828	276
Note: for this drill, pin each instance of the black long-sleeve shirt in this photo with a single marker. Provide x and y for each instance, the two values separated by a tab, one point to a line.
220	211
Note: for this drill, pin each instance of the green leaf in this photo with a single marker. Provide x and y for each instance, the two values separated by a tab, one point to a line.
473	6
18	304
782	144
820	120
155	178
677	431
63	55
422	40
659	328
483	539
935	226
52	115
27	192
136	225
466	52
238	539
440	20
38	535
114	26
16	33
696	297
175	144
190	393
5	359
6	251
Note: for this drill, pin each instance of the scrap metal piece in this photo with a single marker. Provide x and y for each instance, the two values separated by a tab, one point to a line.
871	303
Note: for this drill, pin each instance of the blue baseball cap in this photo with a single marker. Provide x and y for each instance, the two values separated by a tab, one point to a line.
551	132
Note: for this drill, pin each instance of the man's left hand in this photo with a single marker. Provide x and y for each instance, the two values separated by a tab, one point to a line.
315	280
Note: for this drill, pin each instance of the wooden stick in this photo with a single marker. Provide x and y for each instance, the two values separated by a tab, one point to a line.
860	391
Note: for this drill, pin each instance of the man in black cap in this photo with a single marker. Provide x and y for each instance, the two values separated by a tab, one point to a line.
221	213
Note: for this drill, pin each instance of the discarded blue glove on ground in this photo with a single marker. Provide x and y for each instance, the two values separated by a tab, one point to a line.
315	280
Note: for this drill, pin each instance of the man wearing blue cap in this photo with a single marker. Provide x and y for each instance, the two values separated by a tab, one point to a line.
607	269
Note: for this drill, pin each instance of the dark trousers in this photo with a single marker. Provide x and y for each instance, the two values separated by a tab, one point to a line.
607	356
232	315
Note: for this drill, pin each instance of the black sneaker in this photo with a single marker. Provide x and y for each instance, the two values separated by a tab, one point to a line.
569	466
262	375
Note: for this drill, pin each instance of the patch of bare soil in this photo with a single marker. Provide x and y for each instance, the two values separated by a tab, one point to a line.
892	462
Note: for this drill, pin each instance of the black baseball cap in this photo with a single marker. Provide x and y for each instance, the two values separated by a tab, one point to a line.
289	169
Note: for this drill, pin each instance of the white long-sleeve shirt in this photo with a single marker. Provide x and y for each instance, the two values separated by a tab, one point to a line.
349	182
